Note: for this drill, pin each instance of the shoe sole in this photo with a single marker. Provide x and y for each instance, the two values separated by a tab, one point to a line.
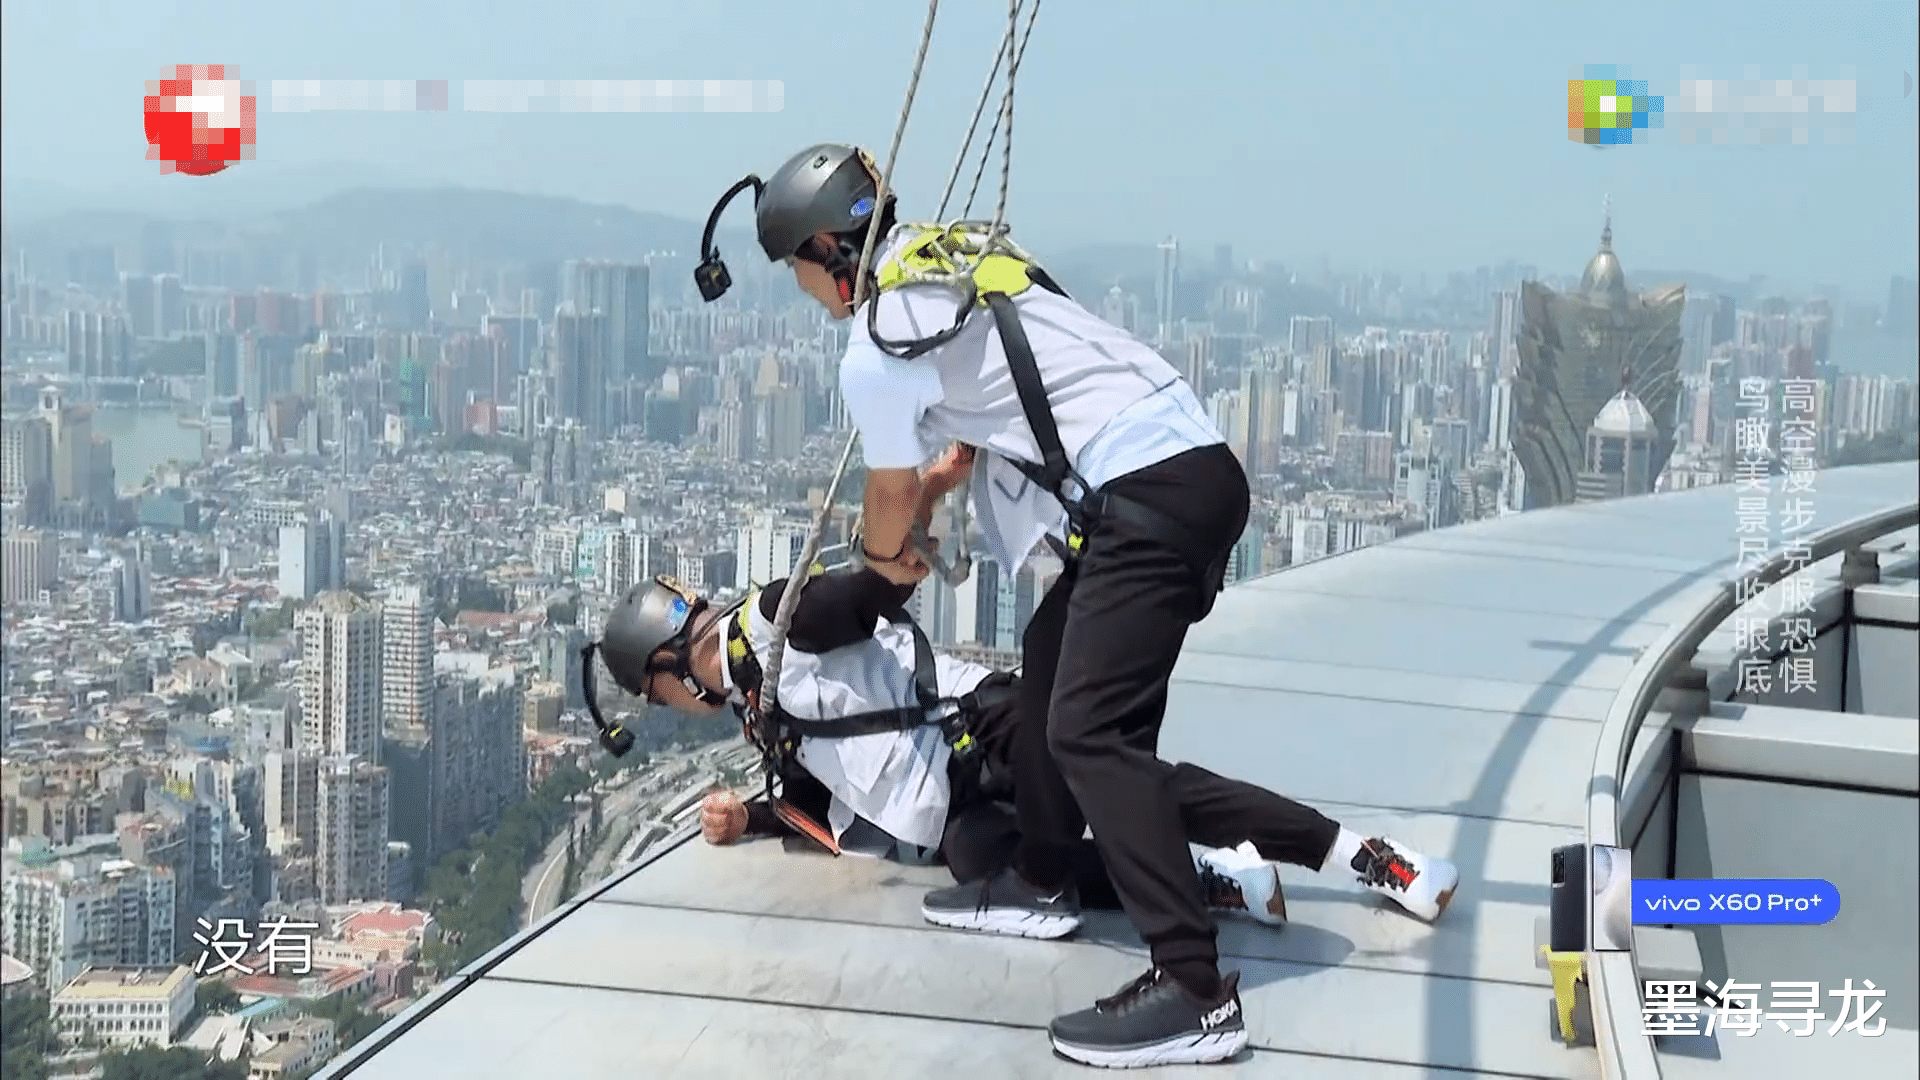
1190	1049
1026	924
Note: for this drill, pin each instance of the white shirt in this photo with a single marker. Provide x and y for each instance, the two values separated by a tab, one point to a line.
1118	405
896	781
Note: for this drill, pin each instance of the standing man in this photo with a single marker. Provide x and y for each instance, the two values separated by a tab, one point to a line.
1095	443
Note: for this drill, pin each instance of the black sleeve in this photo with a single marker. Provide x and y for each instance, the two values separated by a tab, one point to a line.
762	821
836	609
801	790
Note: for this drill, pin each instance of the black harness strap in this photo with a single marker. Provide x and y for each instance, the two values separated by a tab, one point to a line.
1085	508
747	675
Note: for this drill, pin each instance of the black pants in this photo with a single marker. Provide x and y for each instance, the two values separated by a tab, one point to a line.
1097	659
983	835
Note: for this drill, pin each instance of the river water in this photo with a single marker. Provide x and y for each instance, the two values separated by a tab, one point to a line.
144	439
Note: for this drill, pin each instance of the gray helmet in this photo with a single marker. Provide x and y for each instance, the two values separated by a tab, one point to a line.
826	188
654	615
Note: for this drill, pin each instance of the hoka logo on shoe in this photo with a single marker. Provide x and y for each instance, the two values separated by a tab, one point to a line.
1220	1015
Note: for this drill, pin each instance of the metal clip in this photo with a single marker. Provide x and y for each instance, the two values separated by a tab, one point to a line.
955	574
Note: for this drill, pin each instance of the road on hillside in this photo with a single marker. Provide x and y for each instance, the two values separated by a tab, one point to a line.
540	892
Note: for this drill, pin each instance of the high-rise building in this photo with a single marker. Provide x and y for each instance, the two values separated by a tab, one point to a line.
1199	361
291	783
557	652
1122	309
138	300
1364	459
351	816
625	560
170	306
78	913
132	589
1577	350
340	682
1308	333
476	753
26	466
767	548
1167	294
223	366
1620	447
785	409
736	431
618	291
579	368
82	473
32	564
1903	307
406	647
312	557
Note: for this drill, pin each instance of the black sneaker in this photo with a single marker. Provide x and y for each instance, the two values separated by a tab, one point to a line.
1154	1020
1004	904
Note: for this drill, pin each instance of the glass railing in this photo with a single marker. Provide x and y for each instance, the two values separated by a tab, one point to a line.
1626	1052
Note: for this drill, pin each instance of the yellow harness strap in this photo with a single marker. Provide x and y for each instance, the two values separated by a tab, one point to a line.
931	256
737	643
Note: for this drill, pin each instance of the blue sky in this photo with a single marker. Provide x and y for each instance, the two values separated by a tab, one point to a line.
1418	137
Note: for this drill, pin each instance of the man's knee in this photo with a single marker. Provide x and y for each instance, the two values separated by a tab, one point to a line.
1070	742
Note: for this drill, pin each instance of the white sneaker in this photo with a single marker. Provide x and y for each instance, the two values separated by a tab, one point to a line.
1420	883
1239	879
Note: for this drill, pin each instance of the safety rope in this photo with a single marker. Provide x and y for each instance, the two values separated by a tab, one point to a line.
979	110
790	596
893	155
959	527
1006	113
768	696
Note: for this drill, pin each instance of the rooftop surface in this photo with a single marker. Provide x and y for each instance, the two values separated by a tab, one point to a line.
113	982
1445	689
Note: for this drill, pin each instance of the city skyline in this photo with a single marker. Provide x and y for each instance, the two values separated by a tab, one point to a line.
1381	180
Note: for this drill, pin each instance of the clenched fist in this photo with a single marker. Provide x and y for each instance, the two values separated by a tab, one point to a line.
723	817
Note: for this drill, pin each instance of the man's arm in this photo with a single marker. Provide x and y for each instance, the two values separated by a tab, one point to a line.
893	503
835	610
886	398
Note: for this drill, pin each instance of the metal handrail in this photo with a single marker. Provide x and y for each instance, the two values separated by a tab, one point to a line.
1612	977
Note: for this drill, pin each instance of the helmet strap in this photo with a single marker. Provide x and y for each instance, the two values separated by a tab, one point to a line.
681	646
843	262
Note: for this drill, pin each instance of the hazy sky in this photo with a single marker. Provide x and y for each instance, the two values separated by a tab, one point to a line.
1418	136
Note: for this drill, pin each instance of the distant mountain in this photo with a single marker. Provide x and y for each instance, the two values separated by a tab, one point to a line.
344	228
478	225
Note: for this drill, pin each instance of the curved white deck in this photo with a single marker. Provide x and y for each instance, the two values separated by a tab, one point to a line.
1446	689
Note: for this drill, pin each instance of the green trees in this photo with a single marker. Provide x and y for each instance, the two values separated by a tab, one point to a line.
350	1025
214	996
175	1063
474	893
26	1038
570	874
266	622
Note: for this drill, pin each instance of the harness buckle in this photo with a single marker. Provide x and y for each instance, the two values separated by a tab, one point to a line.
1083	514
959	734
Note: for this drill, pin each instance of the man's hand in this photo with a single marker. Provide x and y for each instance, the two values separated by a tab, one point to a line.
723	817
908	569
946	474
